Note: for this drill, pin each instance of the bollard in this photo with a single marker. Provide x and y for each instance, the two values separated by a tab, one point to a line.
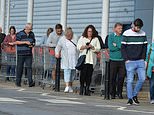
57	82
107	80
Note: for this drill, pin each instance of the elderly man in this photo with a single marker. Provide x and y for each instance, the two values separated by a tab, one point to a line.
25	40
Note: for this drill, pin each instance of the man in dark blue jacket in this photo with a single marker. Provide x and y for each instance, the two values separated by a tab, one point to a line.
25	41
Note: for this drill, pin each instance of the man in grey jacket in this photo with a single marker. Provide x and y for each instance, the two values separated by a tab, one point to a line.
52	42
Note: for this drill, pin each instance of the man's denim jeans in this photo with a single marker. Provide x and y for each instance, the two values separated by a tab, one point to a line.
21	60
132	67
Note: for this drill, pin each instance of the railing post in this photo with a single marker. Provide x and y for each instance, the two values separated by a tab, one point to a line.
57	82
107	80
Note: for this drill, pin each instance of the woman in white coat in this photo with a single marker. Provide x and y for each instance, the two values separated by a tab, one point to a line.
66	49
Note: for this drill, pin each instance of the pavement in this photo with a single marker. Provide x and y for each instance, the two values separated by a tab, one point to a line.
36	101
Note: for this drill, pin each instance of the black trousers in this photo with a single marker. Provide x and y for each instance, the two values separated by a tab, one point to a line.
117	75
86	75
20	66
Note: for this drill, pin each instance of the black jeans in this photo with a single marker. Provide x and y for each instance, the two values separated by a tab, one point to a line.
21	60
86	75
117	69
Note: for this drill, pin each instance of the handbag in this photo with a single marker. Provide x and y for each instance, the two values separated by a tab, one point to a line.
81	60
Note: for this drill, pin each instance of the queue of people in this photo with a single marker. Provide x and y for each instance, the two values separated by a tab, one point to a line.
128	55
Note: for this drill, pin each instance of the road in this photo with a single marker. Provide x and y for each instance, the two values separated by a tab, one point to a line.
29	101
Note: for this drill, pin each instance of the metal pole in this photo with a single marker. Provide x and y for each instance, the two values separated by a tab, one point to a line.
57	82
105	18
63	19
8	17
107	80
30	11
2	22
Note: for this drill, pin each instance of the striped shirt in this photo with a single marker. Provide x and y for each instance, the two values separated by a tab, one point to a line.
134	45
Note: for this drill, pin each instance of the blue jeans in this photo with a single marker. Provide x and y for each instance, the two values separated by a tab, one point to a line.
69	75
152	87
20	66
11	70
132	67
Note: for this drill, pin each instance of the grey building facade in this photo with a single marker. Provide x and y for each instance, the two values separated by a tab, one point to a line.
80	13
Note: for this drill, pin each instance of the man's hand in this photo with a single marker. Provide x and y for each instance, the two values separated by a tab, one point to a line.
127	61
11	43
146	64
114	44
27	42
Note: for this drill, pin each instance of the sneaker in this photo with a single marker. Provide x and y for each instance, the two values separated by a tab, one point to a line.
130	102
135	100
152	101
70	90
32	84
66	90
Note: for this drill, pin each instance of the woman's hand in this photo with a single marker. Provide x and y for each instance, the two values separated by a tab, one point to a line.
57	55
91	47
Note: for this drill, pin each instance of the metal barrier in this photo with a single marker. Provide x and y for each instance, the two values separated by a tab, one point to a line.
43	63
8	65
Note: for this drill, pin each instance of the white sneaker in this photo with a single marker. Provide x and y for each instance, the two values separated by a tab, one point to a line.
66	90
70	90
152	101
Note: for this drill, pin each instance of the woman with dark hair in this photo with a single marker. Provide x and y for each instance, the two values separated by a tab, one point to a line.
42	41
88	45
10	51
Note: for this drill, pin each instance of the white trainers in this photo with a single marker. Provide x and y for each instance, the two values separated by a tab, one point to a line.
70	90
152	101
66	90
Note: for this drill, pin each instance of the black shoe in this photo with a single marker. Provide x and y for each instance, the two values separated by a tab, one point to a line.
112	97
32	84
120	96
18	85
135	100
87	91
130	102
81	90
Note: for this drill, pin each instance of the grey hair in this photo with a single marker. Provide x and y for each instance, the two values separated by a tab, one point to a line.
28	24
67	30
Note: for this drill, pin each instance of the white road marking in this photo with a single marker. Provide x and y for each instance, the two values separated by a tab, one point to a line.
121	108
49	104
11	100
22	89
11	103
60	101
59	97
110	106
135	111
45	94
